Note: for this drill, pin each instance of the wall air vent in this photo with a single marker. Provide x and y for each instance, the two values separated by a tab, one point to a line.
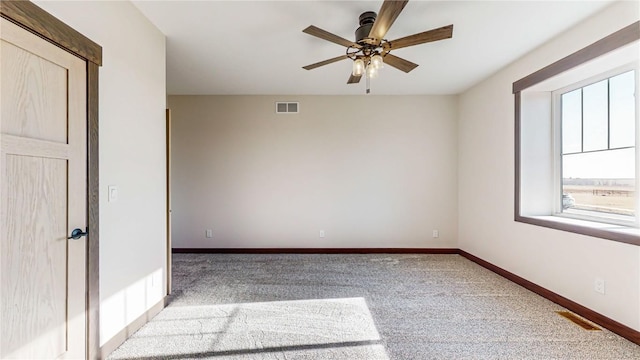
287	107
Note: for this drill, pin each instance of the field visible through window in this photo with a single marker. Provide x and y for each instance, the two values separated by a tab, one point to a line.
604	196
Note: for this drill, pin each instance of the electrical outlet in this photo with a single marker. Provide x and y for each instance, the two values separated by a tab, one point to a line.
321	233
436	234
599	286
209	233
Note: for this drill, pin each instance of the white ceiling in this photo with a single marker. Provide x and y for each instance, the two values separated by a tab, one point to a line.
258	47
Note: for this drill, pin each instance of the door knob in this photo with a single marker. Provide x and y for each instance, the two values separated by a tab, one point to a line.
77	234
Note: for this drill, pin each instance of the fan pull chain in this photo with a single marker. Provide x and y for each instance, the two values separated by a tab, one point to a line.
368	82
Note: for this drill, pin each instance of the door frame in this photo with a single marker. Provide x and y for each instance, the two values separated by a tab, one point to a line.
168	160
34	19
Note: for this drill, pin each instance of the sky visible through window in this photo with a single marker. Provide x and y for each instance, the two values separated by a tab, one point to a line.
599	117
598	148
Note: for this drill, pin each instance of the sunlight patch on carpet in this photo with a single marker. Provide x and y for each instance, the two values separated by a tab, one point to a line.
327	328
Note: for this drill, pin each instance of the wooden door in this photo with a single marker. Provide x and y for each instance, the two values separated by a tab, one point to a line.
43	191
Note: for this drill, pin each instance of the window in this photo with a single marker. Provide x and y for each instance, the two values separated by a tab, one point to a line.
576	129
596	161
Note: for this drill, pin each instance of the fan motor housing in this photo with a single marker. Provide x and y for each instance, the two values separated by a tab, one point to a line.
366	21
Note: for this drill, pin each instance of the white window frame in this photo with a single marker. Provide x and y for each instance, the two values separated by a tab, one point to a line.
533	185
557	147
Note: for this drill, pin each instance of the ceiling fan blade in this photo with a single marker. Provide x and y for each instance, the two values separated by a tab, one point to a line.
388	13
399	63
326	62
354	79
445	32
325	35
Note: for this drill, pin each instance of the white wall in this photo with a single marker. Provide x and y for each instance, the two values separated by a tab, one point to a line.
563	262
371	171
132	156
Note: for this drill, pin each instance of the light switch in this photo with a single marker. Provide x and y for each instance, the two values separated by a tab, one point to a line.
113	193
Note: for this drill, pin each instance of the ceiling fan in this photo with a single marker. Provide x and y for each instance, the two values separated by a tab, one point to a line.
370	49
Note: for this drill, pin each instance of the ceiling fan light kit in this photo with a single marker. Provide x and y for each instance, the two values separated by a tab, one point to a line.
377	62
370	50
372	72
358	67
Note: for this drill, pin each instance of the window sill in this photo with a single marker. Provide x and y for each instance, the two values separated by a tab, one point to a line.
618	233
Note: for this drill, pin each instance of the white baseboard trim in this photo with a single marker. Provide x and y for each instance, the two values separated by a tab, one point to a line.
134	326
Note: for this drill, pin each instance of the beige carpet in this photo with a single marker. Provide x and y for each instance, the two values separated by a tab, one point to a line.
358	307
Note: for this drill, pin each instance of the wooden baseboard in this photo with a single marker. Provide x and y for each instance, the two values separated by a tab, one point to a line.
608	323
315	250
135	325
